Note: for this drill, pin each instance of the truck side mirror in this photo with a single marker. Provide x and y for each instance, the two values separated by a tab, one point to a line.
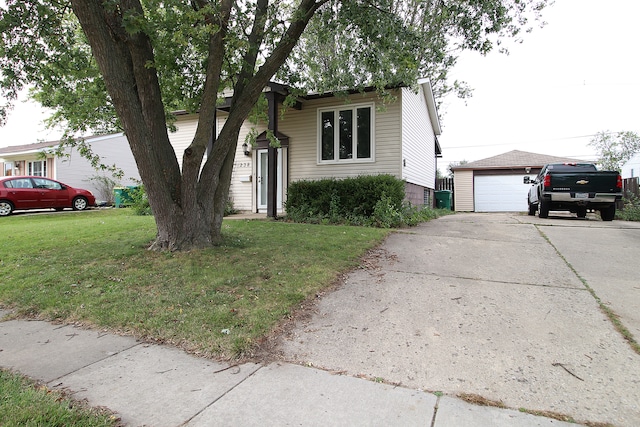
527	180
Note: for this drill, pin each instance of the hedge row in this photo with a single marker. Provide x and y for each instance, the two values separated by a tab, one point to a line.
345	197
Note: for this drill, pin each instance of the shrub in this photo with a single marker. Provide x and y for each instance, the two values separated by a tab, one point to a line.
376	200
229	209
104	188
631	210
140	201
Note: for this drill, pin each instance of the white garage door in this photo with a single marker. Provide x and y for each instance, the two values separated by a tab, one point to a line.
500	193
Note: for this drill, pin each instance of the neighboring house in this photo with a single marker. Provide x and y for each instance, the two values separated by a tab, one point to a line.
328	136
72	169
496	184
631	169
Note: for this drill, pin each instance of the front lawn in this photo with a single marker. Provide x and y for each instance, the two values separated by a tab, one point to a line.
25	403
93	268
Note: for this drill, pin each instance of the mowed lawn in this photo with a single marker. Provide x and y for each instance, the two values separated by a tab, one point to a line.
93	268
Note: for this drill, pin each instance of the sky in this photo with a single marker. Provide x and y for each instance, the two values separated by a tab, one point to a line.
576	76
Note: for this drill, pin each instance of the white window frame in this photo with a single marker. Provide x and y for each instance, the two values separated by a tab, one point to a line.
43	166
336	141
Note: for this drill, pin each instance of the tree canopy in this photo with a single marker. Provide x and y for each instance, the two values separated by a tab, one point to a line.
128	65
615	148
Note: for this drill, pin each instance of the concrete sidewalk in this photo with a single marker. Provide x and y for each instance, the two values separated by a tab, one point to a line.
154	385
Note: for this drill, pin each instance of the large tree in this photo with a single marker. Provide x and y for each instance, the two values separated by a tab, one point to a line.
105	65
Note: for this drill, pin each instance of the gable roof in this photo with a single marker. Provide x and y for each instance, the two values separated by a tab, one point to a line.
515	159
38	147
28	148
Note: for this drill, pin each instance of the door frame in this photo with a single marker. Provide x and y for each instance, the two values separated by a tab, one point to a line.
261	181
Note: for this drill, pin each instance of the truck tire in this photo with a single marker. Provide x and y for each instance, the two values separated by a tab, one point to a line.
543	209
608	213
582	212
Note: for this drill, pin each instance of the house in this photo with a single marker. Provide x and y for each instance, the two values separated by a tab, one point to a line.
328	136
631	169
72	169
496	184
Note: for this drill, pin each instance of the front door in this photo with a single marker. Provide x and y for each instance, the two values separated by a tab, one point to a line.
262	173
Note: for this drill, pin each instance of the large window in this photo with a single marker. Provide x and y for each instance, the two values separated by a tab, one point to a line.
345	134
38	168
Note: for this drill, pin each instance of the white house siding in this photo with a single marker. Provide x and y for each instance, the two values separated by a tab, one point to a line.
463	195
418	140
631	169
302	129
241	191
183	136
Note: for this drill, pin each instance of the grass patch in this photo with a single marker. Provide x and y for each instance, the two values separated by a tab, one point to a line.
25	403
93	268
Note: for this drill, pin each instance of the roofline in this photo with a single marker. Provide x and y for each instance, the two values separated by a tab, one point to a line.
26	149
431	105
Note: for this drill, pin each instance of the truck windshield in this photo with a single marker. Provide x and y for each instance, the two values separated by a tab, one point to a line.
572	167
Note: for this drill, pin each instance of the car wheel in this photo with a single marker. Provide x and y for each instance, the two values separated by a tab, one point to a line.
532	209
5	208
80	204
607	214
582	212
543	209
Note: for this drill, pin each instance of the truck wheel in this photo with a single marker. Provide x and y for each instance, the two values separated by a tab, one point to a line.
608	213
543	209
582	212
532	209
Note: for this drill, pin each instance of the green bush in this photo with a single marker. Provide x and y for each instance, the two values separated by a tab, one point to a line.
376	201
340	198
139	201
631	210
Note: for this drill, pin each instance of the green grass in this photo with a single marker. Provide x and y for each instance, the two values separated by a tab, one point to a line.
24	403
93	268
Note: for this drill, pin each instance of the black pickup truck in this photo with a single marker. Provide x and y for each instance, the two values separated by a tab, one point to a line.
574	187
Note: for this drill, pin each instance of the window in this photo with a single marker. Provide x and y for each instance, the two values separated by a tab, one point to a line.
46	183
8	169
18	183
38	168
345	134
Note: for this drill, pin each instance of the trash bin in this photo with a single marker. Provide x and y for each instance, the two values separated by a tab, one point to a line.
122	196
443	199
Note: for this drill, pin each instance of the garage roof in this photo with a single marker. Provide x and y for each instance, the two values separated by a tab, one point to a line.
514	159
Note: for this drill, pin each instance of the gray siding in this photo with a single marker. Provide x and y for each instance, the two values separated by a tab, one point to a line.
76	171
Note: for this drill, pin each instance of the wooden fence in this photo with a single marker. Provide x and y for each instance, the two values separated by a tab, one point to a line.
446	184
630	186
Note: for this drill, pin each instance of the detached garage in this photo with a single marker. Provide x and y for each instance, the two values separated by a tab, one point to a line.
496	184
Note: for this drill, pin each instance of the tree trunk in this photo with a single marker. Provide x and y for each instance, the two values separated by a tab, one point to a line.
188	204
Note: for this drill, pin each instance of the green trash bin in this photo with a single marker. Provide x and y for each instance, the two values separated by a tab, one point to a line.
122	195
443	199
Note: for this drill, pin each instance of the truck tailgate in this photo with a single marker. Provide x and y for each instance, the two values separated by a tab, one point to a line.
585	182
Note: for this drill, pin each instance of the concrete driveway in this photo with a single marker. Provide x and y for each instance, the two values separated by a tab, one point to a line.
496	305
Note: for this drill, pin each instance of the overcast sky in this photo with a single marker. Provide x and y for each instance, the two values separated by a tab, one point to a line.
577	76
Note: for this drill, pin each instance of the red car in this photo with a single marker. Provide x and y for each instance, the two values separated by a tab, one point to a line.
36	192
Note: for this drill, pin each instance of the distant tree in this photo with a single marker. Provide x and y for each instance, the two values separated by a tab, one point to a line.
126	65
615	148
454	164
